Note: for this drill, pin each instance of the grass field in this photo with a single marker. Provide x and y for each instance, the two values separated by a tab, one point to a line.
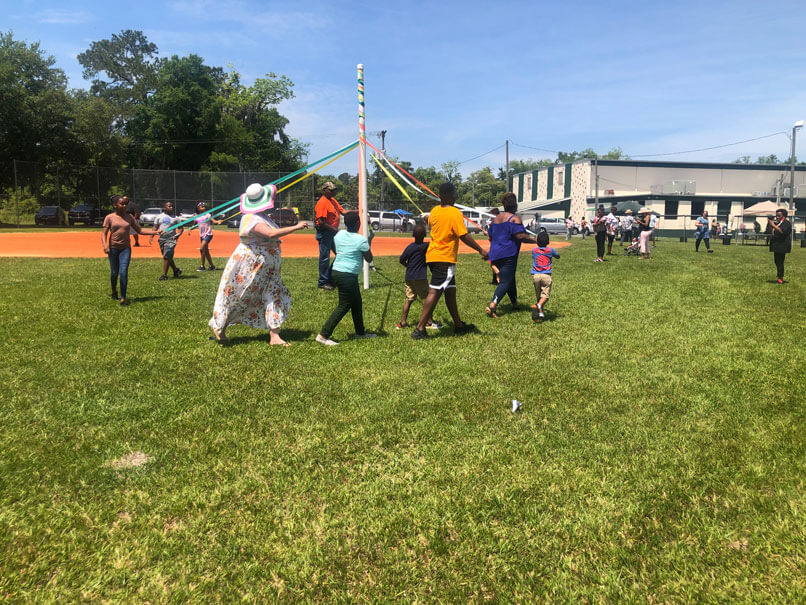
659	456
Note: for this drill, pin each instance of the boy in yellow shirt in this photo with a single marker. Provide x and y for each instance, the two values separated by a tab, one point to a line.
447	228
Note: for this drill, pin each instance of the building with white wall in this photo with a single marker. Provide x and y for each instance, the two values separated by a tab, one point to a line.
676	190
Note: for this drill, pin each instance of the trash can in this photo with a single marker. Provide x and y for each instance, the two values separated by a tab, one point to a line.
803	243
726	240
683	239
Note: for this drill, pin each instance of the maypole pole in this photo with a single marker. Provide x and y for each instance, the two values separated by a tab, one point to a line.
362	166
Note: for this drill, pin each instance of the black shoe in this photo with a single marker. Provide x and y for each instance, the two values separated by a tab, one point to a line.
535	312
418	334
212	268
115	295
464	329
163	278
177	273
326	287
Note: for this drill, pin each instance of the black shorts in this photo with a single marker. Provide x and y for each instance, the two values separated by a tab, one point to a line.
443	276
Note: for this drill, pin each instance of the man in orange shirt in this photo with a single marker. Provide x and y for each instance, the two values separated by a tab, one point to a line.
328	213
447	228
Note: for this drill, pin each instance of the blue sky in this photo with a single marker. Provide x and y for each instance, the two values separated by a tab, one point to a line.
453	80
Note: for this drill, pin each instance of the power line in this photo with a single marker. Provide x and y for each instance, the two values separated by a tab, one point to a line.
482	154
766	136
535	148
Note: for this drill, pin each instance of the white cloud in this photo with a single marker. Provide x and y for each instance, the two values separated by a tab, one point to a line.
62	16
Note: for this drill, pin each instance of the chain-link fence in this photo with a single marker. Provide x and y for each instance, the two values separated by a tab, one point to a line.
67	185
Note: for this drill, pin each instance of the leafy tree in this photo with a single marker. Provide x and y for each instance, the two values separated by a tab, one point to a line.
129	63
251	128
34	118
177	126
451	171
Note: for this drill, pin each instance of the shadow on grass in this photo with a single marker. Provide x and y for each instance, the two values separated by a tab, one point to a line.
288	335
142	299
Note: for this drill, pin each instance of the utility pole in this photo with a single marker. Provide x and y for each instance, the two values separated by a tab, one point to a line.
383	151
506	182
596	193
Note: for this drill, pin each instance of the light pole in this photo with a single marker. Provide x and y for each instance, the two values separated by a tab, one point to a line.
798	124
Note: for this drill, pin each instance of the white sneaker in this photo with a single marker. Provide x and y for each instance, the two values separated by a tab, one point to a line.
325	341
366	335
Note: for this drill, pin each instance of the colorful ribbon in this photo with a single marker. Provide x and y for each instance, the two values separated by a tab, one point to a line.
227	206
391	178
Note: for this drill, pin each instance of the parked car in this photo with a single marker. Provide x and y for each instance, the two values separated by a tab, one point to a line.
84	213
552	225
283	217
49	215
380	220
148	216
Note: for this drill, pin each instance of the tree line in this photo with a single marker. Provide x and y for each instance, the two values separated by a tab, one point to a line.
145	111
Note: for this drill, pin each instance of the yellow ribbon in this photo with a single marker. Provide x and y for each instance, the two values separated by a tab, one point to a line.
391	178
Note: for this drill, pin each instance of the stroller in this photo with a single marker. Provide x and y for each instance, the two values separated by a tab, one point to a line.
634	249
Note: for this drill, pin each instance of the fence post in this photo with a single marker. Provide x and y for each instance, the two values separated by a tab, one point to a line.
174	188
98	188
134	194
211	189
58	188
16	193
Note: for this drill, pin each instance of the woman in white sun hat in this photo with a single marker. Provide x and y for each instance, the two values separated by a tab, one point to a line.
251	291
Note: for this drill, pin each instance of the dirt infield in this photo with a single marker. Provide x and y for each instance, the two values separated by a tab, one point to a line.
80	244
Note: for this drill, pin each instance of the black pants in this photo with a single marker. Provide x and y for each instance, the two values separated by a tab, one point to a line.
600	243
779	257
349	300
700	237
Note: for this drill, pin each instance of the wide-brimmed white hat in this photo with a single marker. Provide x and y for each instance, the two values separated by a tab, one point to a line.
258	198
644	211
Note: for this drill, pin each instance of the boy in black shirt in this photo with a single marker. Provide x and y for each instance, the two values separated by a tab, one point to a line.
413	258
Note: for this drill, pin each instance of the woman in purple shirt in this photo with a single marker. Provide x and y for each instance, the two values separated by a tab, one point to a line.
506	233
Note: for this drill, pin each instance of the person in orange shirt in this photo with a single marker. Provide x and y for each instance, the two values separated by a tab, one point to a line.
328	213
447	228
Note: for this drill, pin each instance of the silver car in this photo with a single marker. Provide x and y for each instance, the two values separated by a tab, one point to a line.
148	216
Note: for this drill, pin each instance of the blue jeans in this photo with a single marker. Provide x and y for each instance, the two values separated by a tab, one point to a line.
326	245
119	264
507	268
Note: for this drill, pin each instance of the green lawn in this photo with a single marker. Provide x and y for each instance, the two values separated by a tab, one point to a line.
659	456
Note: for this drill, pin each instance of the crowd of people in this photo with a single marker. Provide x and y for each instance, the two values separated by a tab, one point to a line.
251	291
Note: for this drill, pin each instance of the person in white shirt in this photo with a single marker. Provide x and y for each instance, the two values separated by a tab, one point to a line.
626	227
612	226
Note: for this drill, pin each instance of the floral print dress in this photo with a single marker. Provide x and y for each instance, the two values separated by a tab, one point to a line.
251	291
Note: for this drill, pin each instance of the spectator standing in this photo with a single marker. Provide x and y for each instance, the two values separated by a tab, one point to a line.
780	241
600	231
612	226
569	228
645	231
328	213
583	226
626	227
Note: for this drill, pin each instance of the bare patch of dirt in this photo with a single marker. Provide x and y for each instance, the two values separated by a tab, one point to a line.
130	460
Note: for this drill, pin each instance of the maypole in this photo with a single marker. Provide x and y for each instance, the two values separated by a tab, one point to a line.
362	166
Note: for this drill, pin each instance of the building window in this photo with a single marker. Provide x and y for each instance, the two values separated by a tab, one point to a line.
697	208
670	209
723	209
